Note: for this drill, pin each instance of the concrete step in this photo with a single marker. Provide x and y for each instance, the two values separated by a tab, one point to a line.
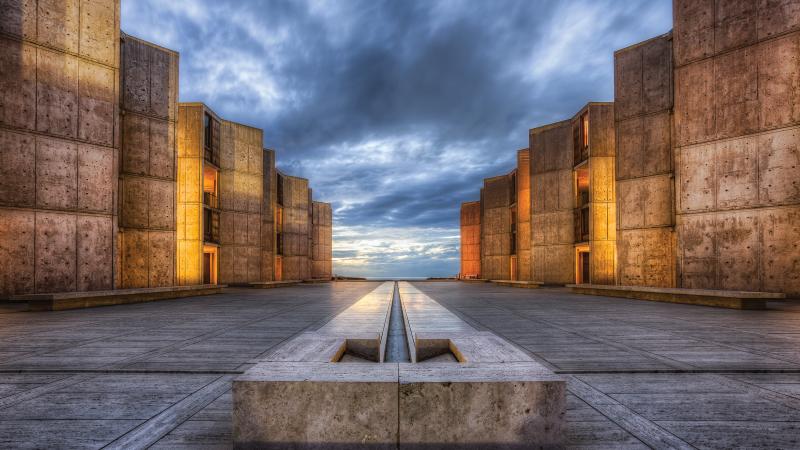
77	300
703	297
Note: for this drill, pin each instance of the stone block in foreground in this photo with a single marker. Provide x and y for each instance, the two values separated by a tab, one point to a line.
481	406
316	405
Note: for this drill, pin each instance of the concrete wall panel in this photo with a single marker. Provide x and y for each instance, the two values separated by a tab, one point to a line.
135	207
777	16
657	75
17	169
735	24
628	83
697	241
97	103
96	178
779	81
779	167
17	83
780	260
58	24
162	149
134	259
161	209
16	251
645	257
693	29
645	202
19	18
736	93
99	30
55	252
738	246
253	230
695	121
135	158
736	181
56	93
161	258
56	174
696	178
602	270
95	253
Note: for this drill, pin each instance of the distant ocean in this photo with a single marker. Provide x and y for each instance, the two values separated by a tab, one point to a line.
396	278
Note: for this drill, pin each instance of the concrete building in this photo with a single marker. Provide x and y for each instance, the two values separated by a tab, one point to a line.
470	240
105	183
715	203
147	167
321	242
552	203
498	252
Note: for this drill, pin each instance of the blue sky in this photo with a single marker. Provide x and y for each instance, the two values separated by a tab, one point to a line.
396	110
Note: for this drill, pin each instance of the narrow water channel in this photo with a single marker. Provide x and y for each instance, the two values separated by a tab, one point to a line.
396	340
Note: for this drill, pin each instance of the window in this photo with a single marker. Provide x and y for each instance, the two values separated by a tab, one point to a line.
280	189
210	187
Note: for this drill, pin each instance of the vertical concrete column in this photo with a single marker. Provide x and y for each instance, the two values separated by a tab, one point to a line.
470	240
147	179
496	228
524	267
552	203
268	199
321	251
241	198
190	194
59	141
644	174
602	194
736	135
296	227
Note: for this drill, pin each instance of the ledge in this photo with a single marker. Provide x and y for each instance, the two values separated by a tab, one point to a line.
60	301
518	284
703	297
267	284
474	280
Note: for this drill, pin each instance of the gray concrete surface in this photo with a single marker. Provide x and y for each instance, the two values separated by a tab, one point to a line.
640	373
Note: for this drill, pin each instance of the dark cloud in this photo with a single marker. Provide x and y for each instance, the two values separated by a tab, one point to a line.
396	110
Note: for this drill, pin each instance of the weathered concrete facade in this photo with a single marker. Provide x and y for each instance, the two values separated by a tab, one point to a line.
59	141
552	203
240	203
496	223
522	224
645	187
321	242
198	218
105	183
595	218
294	233
737	152
147	169
470	240
708	190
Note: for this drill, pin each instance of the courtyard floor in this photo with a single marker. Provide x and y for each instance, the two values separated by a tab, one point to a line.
640	374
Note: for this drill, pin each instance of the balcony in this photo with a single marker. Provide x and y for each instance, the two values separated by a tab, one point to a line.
211	200
582	224
211	226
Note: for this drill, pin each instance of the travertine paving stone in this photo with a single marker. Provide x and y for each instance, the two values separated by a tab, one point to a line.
603	341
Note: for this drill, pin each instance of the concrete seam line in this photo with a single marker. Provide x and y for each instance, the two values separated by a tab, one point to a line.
640	427
158	426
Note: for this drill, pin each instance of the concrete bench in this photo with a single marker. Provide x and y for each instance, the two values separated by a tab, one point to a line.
704	297
76	300
518	284
267	284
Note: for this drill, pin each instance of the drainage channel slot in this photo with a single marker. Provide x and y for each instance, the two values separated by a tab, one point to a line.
396	339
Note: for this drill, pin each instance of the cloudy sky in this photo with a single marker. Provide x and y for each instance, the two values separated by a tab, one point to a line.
397	109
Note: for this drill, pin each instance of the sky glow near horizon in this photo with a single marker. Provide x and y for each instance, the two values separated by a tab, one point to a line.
396	110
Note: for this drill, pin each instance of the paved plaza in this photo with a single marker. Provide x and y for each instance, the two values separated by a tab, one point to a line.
640	374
